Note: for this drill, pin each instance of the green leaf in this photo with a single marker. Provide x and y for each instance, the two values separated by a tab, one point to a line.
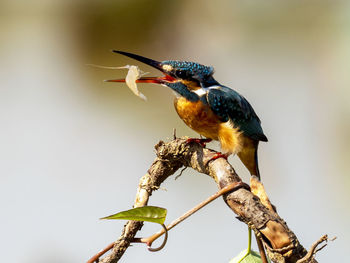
146	213
252	257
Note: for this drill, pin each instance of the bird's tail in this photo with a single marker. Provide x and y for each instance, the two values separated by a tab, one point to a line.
256	162
250	160
249	156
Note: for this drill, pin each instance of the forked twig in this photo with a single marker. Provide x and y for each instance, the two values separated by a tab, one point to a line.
313	250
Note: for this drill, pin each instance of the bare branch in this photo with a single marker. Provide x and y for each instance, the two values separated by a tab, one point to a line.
309	257
280	242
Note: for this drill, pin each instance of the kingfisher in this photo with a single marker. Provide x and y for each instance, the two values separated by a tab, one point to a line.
213	110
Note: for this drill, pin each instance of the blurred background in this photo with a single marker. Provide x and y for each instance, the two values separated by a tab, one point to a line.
73	148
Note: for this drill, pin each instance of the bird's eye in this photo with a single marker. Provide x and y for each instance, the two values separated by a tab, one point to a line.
181	74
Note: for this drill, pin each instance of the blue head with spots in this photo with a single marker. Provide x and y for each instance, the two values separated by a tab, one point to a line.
188	71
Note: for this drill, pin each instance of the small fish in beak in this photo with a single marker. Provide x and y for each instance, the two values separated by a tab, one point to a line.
134	73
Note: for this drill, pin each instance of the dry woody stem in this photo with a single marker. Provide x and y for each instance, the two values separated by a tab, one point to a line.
281	244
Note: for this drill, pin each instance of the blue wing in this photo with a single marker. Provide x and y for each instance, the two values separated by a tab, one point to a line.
229	104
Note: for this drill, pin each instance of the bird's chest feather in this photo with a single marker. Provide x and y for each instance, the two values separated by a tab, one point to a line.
198	116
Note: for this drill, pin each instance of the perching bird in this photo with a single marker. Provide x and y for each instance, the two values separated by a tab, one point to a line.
211	109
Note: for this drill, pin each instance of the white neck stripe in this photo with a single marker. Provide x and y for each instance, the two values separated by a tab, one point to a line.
200	92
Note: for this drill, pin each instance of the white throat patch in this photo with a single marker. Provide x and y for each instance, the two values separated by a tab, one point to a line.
200	92
203	91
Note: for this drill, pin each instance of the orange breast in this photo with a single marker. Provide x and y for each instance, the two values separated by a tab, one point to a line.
198	117
202	119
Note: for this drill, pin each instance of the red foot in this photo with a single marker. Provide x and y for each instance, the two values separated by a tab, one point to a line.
202	142
219	155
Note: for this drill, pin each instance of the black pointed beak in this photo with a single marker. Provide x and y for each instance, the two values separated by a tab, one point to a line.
150	62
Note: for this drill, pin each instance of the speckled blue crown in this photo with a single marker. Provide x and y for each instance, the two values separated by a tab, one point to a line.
192	67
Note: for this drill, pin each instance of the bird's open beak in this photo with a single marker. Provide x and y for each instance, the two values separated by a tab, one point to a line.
153	63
